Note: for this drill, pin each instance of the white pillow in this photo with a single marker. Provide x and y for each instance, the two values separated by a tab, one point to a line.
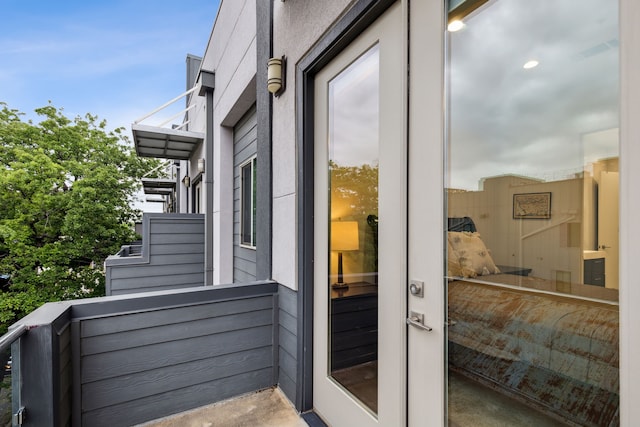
468	256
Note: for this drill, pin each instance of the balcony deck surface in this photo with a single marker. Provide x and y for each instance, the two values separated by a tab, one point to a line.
266	408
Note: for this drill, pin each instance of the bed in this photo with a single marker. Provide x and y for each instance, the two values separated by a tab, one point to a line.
555	352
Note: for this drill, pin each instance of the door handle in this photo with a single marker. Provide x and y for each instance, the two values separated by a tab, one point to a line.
417	320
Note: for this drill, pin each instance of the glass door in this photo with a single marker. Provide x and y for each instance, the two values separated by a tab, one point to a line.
360	229
531	190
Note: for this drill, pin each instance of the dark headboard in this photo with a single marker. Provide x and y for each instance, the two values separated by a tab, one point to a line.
461	224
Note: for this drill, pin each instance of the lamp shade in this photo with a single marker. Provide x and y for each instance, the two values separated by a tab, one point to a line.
344	236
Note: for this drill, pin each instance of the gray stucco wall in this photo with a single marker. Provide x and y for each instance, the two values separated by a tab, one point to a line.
244	148
172	256
297	27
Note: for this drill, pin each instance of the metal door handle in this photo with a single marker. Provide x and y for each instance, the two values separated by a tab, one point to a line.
417	320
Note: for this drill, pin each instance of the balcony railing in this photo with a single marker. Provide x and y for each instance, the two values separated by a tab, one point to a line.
129	359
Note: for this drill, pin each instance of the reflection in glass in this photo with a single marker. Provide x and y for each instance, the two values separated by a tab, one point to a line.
353	176
532	195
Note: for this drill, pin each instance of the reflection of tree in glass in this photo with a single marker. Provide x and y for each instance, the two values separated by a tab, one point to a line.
354	197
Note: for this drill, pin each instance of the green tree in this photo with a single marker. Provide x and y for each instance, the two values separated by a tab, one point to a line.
65	192
354	197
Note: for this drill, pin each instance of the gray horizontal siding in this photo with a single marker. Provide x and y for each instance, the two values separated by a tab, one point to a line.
172	256
135	366
287	341
65	369
245	146
170	403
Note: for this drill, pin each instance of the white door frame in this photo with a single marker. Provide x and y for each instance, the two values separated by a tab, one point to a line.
427	398
426	353
629	206
426	219
331	401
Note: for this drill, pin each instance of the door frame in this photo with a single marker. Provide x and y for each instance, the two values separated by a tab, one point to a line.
362	14
629	234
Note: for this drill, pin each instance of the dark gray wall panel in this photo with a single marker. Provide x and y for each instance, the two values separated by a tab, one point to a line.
135	359
172	239
118	390
184	248
264	51
158	270
164	404
175	332
288	322
160	281
64	378
134	366
287	341
286	383
245	146
154	318
172	256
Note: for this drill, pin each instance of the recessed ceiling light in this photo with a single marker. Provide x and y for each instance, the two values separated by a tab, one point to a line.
454	26
530	64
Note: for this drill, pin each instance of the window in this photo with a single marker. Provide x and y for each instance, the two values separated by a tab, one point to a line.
532	193
248	203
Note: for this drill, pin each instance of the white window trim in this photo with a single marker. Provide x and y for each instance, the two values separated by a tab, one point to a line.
250	161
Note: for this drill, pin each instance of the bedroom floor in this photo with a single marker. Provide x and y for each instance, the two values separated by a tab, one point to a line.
470	403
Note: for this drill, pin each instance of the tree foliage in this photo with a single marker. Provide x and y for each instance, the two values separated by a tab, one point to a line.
65	192
354	197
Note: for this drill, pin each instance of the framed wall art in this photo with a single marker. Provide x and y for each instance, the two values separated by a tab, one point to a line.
532	206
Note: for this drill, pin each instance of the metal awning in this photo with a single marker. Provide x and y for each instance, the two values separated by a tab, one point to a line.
158	186
152	141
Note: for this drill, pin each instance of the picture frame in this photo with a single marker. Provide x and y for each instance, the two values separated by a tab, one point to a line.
532	206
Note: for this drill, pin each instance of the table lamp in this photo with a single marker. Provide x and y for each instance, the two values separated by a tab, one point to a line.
344	237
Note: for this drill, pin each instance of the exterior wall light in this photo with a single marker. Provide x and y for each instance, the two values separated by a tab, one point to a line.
186	181
276	70
201	165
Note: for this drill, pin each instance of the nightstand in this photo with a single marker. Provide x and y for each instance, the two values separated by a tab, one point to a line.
354	325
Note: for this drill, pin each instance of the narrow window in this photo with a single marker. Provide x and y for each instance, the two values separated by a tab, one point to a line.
248	202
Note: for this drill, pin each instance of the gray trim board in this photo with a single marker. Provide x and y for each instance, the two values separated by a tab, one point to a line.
362	14
313	420
207	80
123	303
264	35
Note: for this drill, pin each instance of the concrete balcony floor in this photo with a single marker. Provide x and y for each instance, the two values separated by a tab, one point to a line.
266	408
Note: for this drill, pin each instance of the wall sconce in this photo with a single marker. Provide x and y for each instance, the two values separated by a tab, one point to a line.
201	165
344	237
186	181
276	71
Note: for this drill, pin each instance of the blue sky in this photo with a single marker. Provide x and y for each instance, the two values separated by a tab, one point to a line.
117	59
